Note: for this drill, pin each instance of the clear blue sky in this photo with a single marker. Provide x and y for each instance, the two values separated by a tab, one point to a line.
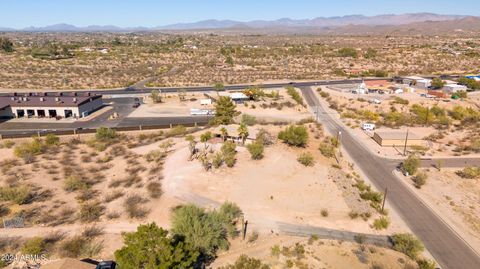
23	13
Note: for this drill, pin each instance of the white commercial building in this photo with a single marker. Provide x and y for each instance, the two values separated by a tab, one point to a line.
73	105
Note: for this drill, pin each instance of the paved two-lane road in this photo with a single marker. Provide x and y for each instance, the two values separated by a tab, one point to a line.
444	244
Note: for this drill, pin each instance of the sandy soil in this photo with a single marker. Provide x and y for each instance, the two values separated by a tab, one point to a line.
318	254
276	188
456	199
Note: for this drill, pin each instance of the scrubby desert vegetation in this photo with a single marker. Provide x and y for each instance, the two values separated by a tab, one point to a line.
101	60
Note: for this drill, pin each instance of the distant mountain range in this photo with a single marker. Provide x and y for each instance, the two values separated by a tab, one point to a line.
320	24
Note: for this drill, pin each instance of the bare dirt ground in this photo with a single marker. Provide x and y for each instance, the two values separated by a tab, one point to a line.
276	188
317	253
456	199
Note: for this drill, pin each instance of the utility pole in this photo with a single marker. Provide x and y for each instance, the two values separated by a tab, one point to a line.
384	198
405	148
245	229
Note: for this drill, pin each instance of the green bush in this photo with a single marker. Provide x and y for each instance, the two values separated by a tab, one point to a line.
104	134
400	101
469	172
426	264
52	140
206	231
178	130
74	183
411	164
245	262
18	194
256	150
295	95
407	244
152	247
347	52
228	150
327	149
381	223
34	246
28	150
306	159
294	136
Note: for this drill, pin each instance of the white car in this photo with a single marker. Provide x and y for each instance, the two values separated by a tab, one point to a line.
368	127
375	101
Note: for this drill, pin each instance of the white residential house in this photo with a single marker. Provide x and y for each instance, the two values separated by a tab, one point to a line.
453	88
424	83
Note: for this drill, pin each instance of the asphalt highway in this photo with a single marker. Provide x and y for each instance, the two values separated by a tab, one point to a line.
447	247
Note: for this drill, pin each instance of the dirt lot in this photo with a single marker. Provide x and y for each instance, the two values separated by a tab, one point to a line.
456	199
281	109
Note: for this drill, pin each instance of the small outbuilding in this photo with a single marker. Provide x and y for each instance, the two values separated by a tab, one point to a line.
397	139
454	88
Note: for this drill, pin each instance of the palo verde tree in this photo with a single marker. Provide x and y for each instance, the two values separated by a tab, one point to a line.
151	247
225	110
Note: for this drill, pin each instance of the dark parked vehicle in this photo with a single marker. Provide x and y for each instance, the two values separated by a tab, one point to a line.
106	265
136	105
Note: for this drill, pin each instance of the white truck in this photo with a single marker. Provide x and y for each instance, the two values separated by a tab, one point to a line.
201	112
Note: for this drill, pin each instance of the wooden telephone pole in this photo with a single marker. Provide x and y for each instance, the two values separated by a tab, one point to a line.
405	148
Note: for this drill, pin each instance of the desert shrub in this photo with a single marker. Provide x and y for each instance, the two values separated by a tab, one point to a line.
411	164
73	247
17	194
113	196
347	52
248	120
178	130
206	231
420	179
91	211
28	150
8	144
52	140
426	264
154	189
306	159
264	137
34	246
133	206
92	231
294	136
275	251
245	262
74	183
407	244
469	172
228	150
400	101
151	247
256	150
217	160
381	223
327	149
253	237
105	134
295	95
324	213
